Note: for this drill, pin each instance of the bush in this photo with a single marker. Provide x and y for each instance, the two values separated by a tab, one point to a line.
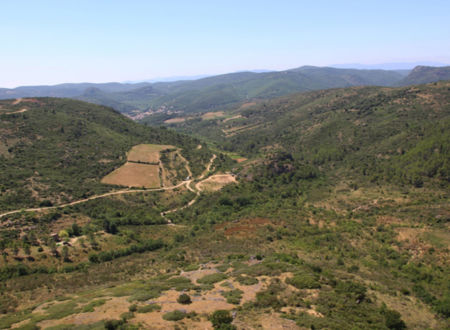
174	316
246	280
304	281
393	320
221	319
148	308
233	296
212	278
184	299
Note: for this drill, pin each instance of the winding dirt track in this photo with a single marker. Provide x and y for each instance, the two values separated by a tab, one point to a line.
188	186
127	191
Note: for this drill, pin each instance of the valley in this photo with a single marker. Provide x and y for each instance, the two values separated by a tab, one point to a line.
311	210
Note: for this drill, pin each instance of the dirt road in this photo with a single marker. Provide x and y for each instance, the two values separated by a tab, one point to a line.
128	191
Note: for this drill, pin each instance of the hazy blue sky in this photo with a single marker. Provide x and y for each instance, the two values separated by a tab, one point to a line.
48	42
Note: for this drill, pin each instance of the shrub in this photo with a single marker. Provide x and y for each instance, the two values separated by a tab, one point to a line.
393	320
246	280
304	281
212	278
148	308
233	296
174	316
184	299
220	319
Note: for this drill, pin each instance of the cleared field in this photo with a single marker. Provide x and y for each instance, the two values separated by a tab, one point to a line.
213	115
175	120
146	153
134	175
215	182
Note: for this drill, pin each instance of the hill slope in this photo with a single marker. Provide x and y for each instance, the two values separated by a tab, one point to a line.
381	132
208	93
59	149
425	75
339	217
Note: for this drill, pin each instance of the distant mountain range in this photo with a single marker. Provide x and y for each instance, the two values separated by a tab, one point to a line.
387	66
227	90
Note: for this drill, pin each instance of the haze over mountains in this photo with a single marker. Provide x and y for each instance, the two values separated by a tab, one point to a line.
224	91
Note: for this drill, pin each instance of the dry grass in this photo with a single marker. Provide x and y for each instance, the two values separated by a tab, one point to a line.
244	227
146	153
415	314
112	309
134	175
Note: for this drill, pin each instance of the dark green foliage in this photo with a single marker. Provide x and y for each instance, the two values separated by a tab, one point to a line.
233	296
304	281
103	256
174	316
443	306
269	297
220	319
246	280
184	299
212	278
148	308
393	320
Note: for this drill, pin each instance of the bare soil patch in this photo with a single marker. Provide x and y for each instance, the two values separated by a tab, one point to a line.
232	118
215	182
134	175
213	115
175	120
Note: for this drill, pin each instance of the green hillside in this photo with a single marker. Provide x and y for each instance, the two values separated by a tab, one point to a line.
224	91
426	74
335	215
59	149
399	134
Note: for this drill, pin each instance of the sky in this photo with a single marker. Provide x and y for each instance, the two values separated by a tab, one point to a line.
50	42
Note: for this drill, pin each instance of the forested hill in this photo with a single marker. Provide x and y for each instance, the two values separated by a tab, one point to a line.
209	93
59	149
426	74
397	134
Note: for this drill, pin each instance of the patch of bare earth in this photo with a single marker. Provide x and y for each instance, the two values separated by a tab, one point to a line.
232	118
215	182
213	115
175	120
